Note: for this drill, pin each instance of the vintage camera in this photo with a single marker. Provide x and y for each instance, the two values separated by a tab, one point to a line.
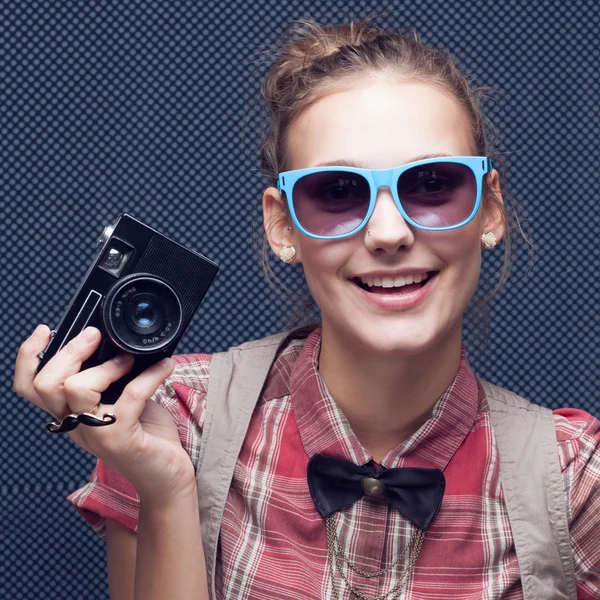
141	292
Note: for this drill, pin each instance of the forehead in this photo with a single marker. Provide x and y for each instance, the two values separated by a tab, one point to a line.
379	123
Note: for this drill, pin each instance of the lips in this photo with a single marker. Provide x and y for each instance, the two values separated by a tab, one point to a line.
397	299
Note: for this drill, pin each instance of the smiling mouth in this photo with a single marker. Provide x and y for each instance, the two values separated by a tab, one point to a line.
399	285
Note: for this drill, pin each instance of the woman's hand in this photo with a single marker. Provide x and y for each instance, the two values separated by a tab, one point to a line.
143	444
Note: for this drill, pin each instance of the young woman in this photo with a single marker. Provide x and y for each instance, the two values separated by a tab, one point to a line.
383	186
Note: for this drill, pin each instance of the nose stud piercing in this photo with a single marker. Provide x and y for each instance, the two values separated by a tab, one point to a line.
488	240
287	254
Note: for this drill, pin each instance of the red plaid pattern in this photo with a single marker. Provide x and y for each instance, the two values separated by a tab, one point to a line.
273	543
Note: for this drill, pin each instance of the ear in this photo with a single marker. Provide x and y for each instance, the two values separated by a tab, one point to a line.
276	221
492	218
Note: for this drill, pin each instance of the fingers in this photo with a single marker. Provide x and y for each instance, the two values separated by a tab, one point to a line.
130	405
127	410
83	390
27	362
49	382
60	388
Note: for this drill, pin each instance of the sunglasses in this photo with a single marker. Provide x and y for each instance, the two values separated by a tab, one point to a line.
435	194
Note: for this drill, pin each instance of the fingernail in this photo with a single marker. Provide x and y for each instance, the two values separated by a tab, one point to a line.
166	363
89	334
38	330
121	359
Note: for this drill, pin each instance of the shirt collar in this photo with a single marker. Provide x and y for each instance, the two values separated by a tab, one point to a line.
325	430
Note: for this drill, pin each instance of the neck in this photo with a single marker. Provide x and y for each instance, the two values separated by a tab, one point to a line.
386	397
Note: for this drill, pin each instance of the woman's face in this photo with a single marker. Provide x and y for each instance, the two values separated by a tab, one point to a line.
378	124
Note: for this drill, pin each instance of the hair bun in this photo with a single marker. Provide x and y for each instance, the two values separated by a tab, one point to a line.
305	42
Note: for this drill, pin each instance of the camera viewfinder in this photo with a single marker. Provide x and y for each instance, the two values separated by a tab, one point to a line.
116	256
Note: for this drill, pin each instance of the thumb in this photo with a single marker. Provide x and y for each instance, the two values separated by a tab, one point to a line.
138	391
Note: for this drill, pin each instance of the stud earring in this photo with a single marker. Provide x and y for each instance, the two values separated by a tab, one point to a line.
287	254
488	240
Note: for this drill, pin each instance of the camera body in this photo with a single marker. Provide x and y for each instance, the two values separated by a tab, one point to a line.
141	292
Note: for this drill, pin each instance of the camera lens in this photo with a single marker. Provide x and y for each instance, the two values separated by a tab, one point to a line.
145	312
142	313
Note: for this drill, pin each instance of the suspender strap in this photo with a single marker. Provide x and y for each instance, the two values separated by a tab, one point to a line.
235	384
534	494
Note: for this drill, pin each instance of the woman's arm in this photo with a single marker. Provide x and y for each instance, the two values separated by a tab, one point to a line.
143	444
121	545
170	560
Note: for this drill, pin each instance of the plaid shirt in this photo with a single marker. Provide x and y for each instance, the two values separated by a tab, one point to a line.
273	542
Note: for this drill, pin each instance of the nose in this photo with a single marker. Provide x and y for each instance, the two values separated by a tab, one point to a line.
387	231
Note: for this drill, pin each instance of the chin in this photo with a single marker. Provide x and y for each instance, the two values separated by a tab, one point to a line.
399	344
405	334
398	340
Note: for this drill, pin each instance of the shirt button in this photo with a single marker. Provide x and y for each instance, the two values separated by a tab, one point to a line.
372	487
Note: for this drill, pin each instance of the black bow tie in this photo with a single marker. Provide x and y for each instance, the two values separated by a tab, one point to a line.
335	484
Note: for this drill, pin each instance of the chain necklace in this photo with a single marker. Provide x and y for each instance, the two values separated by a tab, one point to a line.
335	553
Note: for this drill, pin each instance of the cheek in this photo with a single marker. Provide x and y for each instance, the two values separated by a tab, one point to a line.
322	262
460	251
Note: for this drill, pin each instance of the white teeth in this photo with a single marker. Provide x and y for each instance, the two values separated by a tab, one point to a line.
400	281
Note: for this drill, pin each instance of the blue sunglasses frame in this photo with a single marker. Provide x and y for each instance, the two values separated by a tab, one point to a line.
377	178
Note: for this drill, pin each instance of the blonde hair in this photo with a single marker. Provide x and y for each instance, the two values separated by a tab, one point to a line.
314	59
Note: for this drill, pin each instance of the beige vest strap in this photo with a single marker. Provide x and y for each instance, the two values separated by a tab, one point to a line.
235	383
534	494
524	432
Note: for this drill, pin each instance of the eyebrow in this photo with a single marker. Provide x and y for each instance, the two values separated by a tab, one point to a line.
348	162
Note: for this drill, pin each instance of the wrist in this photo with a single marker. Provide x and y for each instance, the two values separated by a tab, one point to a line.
164	509
181	490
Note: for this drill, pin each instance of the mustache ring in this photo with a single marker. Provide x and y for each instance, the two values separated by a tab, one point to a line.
73	420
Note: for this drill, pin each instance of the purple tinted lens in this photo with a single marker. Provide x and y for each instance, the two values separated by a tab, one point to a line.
438	194
331	202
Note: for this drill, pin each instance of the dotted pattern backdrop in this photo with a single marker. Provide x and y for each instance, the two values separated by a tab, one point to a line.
151	108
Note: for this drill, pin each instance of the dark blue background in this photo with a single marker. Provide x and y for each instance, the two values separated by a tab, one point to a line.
151	108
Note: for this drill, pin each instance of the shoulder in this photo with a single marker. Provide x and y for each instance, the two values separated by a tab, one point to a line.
191	372
503	400
190	376
576	430
578	446
578	441
578	437
184	392
577	433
